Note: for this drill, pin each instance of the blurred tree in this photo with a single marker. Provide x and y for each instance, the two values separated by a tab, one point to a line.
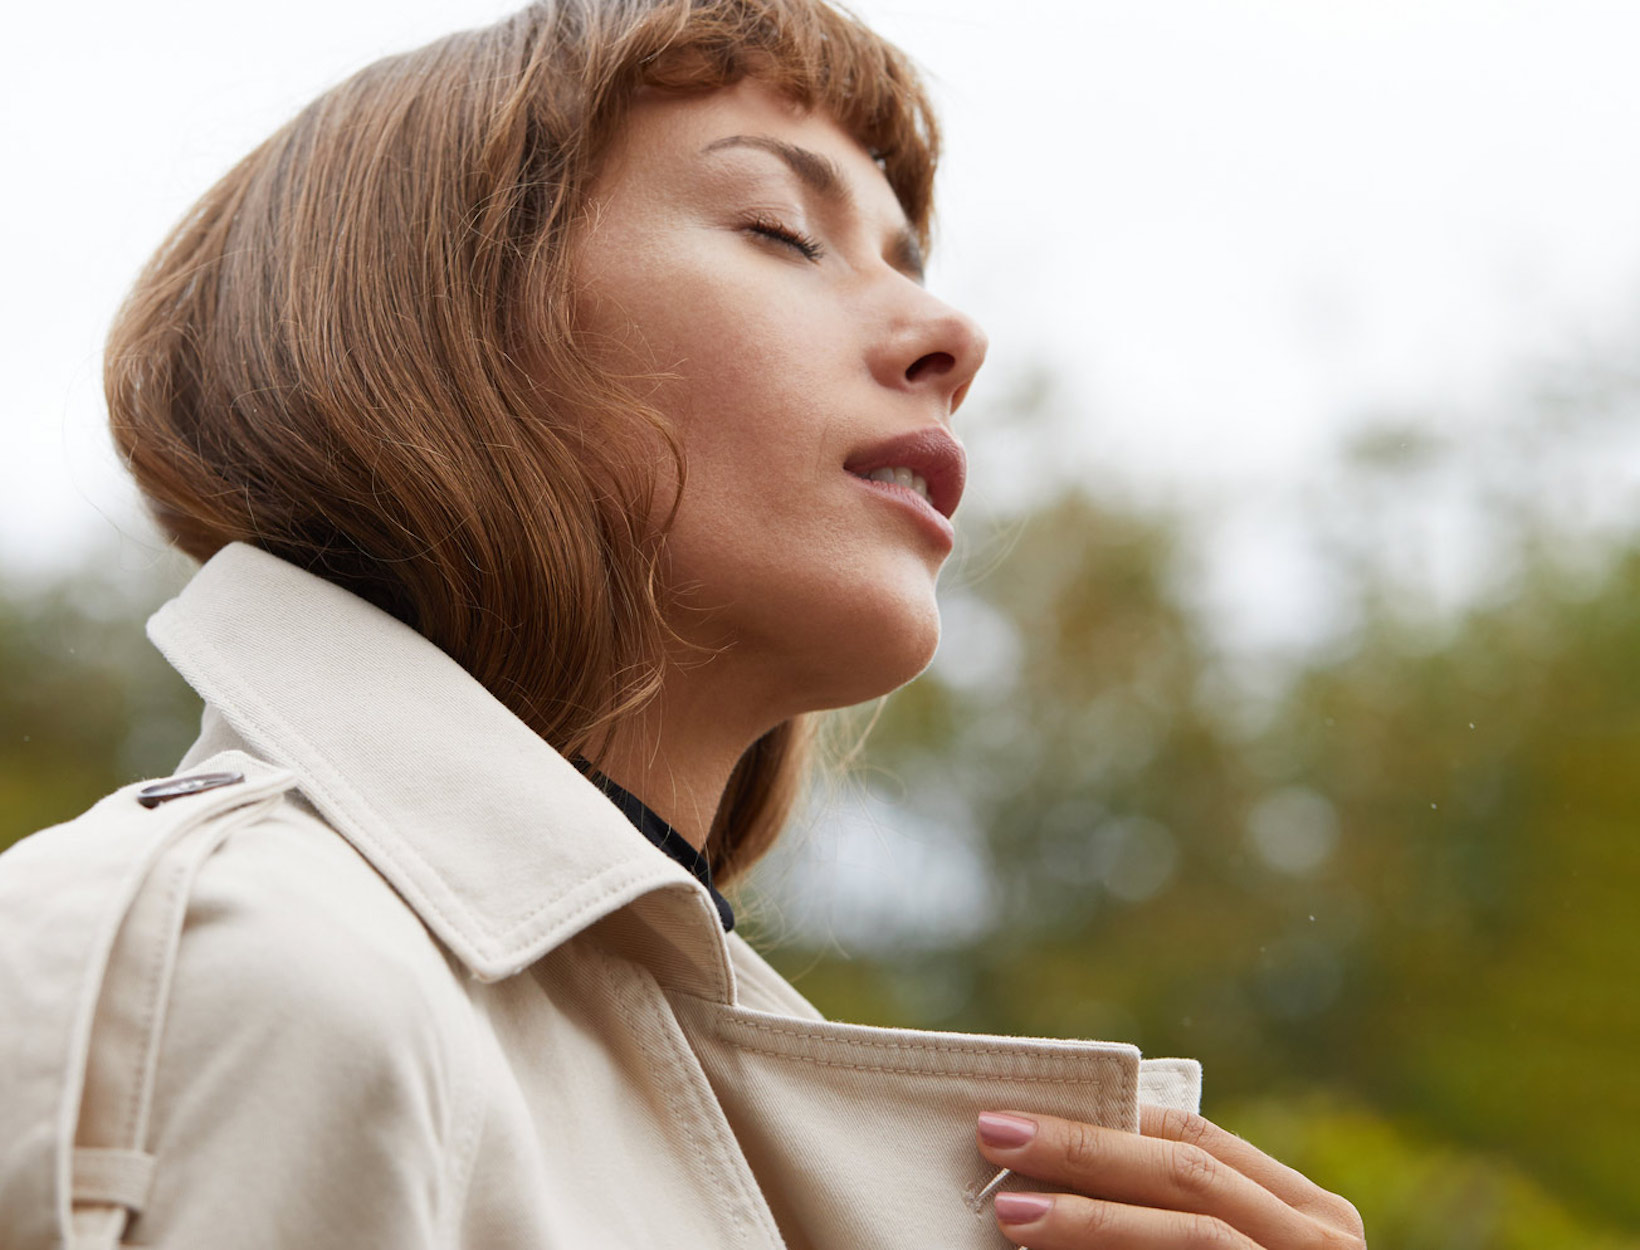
1418	1191
86	704
1392	915
1411	885
1488	789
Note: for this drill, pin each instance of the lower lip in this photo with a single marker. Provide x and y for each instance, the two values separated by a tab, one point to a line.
938	528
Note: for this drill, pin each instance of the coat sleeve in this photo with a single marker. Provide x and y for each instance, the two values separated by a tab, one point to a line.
295	1075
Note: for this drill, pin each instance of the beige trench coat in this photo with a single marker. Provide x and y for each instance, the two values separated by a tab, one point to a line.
400	977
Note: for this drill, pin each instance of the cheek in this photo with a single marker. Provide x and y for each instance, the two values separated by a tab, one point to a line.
755	401
682	297
761	379
750	344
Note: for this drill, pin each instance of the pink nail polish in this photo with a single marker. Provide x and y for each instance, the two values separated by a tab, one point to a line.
1022	1208
1005	1131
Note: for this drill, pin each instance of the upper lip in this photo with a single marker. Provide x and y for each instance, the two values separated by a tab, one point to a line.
931	453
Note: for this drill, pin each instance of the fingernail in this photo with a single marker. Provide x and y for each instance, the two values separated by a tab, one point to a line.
1005	1131
1021	1208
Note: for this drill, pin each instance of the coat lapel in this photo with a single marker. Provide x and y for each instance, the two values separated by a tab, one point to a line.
505	851
502	848
858	1134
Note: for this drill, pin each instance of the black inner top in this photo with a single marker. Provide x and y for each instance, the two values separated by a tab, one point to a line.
663	836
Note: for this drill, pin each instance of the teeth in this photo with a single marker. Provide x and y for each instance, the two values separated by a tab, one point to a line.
900	477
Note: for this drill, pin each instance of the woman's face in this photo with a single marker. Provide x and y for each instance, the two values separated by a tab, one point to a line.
753	262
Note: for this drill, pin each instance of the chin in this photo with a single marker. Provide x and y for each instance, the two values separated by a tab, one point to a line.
874	652
809	645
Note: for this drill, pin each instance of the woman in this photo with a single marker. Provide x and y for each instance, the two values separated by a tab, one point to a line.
560	418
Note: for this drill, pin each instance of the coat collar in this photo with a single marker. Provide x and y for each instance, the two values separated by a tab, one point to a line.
495	840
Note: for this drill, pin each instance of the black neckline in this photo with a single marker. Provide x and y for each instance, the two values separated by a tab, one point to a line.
662	835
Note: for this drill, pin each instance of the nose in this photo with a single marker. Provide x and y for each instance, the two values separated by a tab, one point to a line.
930	349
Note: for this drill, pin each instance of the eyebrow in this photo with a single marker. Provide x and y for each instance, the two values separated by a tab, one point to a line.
822	176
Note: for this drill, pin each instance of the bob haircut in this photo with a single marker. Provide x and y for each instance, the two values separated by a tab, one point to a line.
359	351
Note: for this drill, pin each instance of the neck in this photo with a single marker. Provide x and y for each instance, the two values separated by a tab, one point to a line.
677	755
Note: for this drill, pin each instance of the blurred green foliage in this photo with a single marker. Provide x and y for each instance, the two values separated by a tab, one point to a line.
86	704
1389	902
1390	906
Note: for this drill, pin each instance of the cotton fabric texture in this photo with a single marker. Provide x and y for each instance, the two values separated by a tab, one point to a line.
413	981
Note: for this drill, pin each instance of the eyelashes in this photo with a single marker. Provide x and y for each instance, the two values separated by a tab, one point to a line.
773	228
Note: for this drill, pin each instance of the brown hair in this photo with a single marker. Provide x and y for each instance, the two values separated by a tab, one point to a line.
358	353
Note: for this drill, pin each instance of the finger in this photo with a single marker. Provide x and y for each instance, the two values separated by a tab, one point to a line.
1072	1222
1288	1184
1144	1172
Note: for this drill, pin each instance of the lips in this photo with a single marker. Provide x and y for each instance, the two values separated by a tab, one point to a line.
931	453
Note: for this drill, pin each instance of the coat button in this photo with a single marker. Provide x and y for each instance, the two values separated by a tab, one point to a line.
178	787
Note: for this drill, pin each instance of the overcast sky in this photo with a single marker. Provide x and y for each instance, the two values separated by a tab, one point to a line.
1234	226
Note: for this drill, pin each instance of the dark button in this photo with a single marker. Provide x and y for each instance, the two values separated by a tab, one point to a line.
178	787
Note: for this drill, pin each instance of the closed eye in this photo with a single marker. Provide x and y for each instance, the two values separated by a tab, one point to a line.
770	228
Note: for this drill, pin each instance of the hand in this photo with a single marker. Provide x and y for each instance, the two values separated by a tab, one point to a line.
1182	1182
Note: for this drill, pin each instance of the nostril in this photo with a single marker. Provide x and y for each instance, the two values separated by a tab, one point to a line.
932	364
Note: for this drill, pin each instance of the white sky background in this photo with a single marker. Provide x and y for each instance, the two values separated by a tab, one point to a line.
1233	226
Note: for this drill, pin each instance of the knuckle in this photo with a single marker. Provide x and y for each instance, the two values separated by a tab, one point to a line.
1192	1172
1351	1236
1093	1220
1210	1233
1345	1228
1354	1225
1195	1130
1081	1147
1186	1127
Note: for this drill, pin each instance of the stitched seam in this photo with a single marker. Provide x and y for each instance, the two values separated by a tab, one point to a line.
175	862
605	966
728	1153
77	1054
154	971
940	1072
622	883
729	1026
749	978
184	860
686	1082
673	1086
